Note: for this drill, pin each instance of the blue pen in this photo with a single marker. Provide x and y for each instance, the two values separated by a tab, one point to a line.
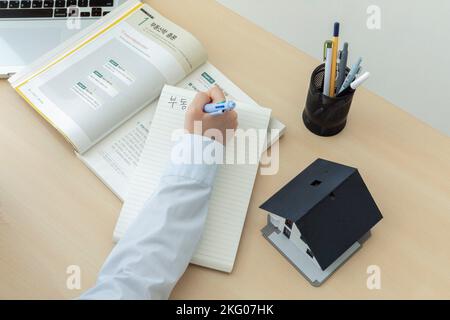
351	75
219	108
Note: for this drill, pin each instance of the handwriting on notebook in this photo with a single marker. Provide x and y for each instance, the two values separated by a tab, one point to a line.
232	188
177	102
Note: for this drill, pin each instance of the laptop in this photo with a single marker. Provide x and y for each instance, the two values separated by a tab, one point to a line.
30	28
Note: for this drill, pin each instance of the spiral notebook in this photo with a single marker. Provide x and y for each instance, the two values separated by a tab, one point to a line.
232	188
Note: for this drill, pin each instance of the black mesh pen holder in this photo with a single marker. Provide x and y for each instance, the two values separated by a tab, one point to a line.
323	115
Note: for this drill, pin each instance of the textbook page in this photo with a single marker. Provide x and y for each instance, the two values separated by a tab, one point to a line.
101	81
115	158
233	185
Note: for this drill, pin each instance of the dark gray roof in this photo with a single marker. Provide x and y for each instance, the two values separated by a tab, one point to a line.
331	206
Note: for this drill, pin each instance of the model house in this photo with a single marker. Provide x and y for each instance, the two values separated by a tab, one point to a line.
320	218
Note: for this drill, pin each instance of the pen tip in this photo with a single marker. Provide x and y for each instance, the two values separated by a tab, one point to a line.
336	29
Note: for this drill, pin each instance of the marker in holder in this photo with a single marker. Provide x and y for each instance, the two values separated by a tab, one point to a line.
323	115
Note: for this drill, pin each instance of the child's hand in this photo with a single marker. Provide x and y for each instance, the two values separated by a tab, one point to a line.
213	127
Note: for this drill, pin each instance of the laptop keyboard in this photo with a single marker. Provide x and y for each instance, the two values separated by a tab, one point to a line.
54	8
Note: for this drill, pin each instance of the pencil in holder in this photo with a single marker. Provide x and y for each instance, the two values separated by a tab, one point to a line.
323	115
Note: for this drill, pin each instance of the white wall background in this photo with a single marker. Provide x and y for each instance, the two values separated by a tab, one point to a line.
409	57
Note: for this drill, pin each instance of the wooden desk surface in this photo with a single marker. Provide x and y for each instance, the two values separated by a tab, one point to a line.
55	213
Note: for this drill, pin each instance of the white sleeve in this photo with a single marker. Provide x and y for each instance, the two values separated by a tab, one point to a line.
155	251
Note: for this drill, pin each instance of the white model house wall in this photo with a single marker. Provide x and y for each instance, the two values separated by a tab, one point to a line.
280	224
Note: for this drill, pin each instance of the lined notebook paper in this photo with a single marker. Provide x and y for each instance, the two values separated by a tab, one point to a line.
232	188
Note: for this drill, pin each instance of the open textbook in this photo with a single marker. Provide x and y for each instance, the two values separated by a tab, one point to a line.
99	88
233	184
